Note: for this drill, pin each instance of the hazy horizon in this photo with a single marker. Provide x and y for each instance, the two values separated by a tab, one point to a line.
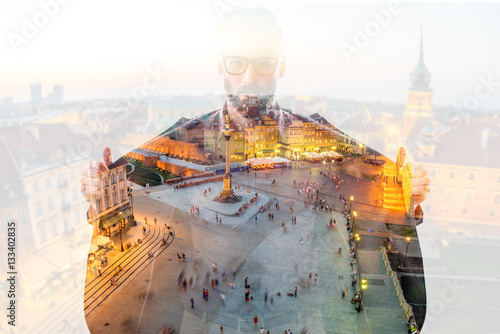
95	51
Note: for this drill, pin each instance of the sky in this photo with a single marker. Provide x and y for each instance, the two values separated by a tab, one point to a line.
108	49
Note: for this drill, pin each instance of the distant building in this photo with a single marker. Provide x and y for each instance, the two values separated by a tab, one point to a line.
57	94
36	93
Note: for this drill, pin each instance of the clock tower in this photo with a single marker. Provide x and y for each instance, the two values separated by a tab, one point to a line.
419	95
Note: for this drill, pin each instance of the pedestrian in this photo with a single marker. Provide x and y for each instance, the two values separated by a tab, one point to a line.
145	220
155	221
99	269
192	302
221	329
204	293
223	299
272	298
261	330
295	291
255	320
265	297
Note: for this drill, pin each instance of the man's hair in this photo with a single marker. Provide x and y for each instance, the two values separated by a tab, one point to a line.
253	25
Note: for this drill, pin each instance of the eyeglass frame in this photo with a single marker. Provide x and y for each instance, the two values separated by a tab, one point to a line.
251	61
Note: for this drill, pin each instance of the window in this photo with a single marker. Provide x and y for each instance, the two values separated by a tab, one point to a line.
122	193
47	183
114	199
452	175
27	242
496	198
218	145
450	193
469	195
98	205
50	204
493	213
235	146
106	202
105	181
445	208
472	176
11	193
38	208
464	211
43	235
54	229
433	173
113	178
22	218
120	176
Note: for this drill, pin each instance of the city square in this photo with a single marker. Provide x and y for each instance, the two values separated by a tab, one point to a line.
257	247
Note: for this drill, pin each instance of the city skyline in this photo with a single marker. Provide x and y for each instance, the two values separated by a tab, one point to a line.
460	58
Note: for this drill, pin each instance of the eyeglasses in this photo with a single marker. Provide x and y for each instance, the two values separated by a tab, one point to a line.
238	65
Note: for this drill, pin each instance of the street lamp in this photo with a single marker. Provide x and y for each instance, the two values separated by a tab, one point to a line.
354	215
364	286
350	205
121	241
407	245
357	238
130	193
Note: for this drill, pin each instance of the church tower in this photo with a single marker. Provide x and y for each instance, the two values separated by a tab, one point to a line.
419	95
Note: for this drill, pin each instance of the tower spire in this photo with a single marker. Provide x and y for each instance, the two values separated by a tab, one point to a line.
421	42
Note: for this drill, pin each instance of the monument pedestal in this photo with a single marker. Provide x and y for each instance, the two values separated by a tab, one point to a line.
227	195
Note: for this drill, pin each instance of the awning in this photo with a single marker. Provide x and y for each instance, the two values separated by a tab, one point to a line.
101	240
93	248
267	151
109	221
114	218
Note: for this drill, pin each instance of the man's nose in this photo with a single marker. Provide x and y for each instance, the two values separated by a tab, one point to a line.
250	74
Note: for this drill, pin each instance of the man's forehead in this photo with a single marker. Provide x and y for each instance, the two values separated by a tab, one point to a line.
251	48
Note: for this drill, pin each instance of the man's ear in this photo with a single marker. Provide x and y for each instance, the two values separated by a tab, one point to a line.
221	67
282	67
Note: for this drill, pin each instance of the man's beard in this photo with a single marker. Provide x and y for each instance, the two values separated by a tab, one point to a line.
242	102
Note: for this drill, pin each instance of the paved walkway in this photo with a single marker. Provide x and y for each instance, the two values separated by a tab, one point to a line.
271	266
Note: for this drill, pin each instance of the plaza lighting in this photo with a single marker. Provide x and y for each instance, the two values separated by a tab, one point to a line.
354	215
364	286
408	239
350	205
121	223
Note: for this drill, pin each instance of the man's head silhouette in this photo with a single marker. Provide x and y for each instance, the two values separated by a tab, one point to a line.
251	56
